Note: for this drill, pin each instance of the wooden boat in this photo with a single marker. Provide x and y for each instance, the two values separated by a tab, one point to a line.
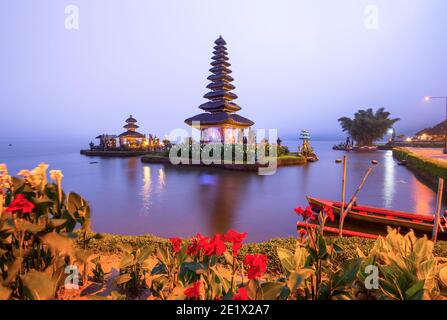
375	220
335	231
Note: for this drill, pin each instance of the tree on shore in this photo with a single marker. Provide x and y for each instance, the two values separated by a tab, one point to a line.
367	126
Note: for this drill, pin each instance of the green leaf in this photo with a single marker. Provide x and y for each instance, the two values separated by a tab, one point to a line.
322	247
38	285
443	276
178	293
24	225
162	255
197	268
58	243
57	223
143	254
252	289
126	261
271	290
228	258
347	274
296	278
17	184
13	270
415	292
124	278
115	295
287	260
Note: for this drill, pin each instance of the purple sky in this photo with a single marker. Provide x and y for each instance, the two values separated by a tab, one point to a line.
297	64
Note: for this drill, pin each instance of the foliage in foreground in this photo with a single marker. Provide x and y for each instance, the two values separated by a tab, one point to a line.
397	267
37	220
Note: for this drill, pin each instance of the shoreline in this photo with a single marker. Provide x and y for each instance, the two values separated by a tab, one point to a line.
429	170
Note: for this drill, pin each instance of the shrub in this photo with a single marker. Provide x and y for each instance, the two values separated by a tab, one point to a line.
37	220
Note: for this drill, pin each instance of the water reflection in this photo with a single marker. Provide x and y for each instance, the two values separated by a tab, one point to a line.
161	179
389	179
423	198
146	189
219	197
132	172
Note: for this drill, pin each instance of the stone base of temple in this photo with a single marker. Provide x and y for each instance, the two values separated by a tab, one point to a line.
115	153
281	162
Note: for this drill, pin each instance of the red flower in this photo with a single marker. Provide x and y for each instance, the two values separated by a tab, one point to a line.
197	244
209	247
302	233
329	212
257	265
241	295
192	248
20	204
194	291
306	213
175	242
236	239
215	246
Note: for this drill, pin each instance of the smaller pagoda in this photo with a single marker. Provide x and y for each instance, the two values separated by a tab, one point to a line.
219	122
306	150
131	138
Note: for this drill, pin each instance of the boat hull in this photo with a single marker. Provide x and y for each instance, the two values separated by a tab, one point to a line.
376	220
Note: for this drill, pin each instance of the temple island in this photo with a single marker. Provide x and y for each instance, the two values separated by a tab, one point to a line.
129	143
220	122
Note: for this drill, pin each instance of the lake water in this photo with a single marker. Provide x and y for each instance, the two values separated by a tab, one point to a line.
129	197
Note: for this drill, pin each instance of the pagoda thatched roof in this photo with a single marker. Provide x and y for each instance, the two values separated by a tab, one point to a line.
220	105
133	134
131	119
131	125
220	119
107	136
220	41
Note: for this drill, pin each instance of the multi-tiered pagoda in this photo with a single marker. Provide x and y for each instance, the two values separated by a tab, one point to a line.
220	122
131	138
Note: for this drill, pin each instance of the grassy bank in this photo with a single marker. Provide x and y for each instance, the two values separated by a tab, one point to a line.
426	168
111	244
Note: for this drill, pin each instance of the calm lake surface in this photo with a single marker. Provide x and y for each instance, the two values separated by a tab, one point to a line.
129	197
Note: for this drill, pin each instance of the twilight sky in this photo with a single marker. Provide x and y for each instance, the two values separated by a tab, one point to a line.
297	64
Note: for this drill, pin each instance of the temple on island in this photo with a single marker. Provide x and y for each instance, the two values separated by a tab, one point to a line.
131	139
219	122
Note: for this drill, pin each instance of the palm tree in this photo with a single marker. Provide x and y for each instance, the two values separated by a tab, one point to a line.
367	126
